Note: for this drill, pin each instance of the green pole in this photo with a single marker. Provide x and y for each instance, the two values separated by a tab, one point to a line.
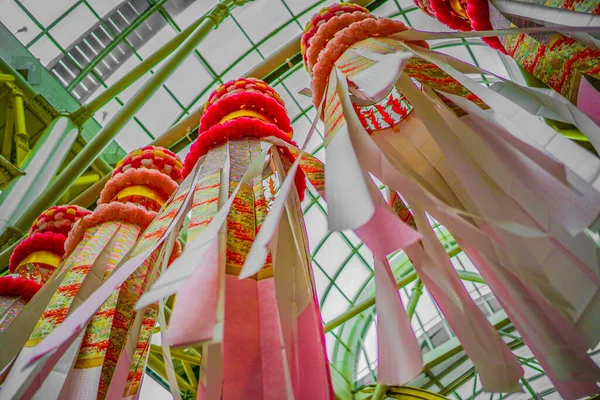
366	304
470	277
417	291
89	153
20	135
8	131
380	391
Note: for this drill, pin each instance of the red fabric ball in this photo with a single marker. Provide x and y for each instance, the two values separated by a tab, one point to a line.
46	241
242	84
169	164
479	14
18	287
253	101
58	219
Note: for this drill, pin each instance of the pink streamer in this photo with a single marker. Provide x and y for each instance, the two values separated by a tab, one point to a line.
273	373
242	363
210	384
45	370
399	354
588	100
77	321
385	233
200	294
563	203
494	203
118	383
554	168
315	379
498	368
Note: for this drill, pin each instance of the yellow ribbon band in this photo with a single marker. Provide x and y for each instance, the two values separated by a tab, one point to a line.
248	113
245	113
41	257
143	191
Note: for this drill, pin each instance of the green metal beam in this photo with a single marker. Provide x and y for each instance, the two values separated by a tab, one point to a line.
462	379
20	135
83	160
8	131
412	276
42	109
156	363
46	157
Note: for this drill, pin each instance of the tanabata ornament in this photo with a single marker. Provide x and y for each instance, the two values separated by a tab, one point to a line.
245	270
517	196
568	62
35	259
32	264
107	357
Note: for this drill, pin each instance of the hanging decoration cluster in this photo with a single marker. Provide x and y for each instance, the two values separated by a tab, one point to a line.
107	358
245	268
566	61
513	193
517	197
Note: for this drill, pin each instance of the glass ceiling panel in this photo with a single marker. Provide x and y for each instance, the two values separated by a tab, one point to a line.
67	35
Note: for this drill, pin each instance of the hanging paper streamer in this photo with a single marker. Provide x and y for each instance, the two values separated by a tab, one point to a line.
95	247
564	62
475	167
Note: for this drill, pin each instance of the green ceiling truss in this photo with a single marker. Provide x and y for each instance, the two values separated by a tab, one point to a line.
348	329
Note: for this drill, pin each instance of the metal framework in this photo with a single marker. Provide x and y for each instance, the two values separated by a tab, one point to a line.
176	76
